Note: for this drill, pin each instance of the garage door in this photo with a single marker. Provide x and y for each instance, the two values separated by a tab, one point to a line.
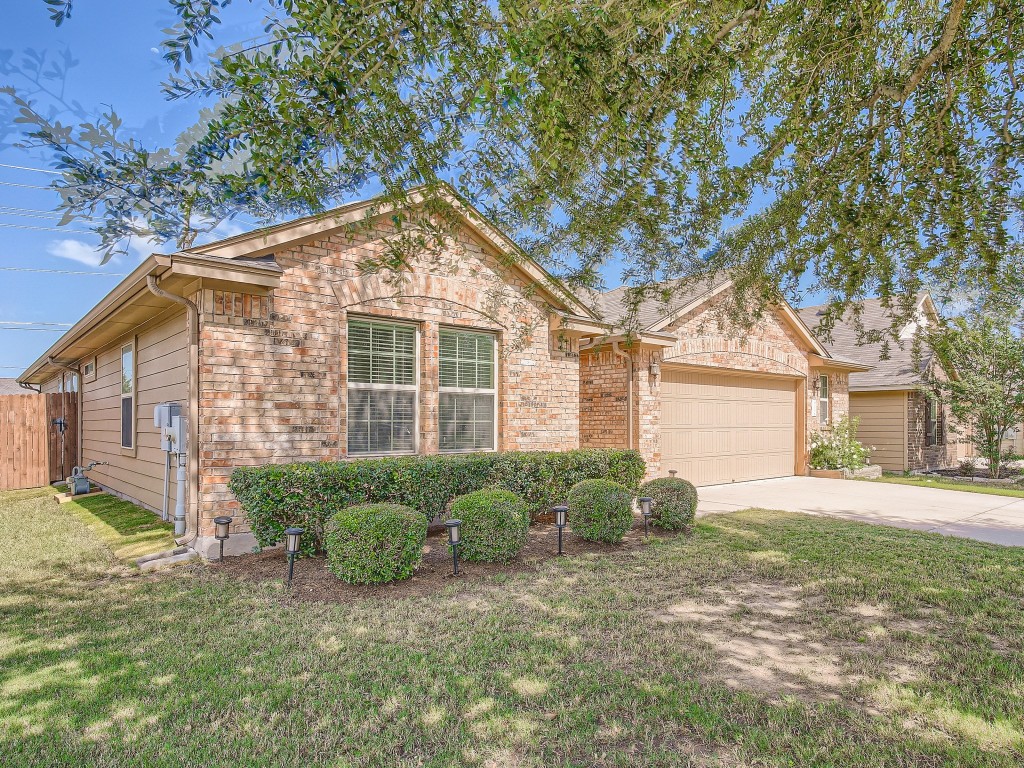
718	428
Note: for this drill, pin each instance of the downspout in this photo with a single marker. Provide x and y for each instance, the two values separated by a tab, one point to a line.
78	420
629	392
192	312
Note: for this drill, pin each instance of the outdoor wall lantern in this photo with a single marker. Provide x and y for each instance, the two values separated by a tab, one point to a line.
561	513
645	510
654	370
223	524
453	541
292	537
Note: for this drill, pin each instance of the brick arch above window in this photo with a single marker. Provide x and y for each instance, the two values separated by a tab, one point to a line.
446	292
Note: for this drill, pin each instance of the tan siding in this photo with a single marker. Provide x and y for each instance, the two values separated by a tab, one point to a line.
882	426
721	428
161	369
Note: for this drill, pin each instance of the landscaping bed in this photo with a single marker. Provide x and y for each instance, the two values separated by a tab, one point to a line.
313	582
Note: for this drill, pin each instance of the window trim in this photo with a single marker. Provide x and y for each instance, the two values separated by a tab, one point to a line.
824	399
469	390
415	387
130	449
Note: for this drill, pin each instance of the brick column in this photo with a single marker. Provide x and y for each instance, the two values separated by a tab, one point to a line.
428	386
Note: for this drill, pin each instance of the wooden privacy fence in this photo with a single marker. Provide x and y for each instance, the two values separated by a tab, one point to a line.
38	438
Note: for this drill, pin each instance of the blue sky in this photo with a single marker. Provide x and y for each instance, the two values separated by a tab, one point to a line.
119	65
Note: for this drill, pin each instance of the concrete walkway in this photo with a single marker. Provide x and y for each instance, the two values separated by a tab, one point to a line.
996	519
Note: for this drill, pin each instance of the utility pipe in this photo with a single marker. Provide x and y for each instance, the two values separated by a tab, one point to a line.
192	312
78	418
629	392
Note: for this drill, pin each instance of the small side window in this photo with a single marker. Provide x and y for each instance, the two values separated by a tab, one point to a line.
89	370
128	396
824	397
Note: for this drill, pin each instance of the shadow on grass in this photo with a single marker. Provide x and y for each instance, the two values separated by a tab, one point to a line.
566	665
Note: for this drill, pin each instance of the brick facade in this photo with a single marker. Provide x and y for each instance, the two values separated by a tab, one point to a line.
950	446
273	369
772	347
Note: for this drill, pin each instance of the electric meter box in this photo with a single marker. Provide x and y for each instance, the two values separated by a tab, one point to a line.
164	415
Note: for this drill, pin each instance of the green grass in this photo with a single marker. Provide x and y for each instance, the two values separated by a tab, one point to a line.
950	484
764	638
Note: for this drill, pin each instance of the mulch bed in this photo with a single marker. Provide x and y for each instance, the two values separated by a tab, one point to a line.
982	473
313	582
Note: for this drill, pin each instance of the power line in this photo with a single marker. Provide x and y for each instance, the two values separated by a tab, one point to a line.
44	330
62	272
34	323
49	216
46	229
24	186
51	212
26	168
14	367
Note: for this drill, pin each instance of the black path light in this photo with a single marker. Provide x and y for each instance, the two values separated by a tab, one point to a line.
561	513
453	541
672	472
292	537
223	524
645	510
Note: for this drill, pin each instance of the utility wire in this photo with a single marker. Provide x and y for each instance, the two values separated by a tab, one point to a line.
44	330
62	272
46	229
26	168
24	186
49	216
32	322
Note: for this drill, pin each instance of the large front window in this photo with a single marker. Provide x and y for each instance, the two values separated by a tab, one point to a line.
381	387
468	395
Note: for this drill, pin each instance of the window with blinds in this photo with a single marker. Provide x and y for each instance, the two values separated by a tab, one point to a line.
382	387
468	396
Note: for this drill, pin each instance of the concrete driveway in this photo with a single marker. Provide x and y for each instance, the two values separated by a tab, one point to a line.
996	519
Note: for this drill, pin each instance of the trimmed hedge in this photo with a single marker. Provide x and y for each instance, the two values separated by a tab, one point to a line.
494	525
375	543
600	510
675	502
276	496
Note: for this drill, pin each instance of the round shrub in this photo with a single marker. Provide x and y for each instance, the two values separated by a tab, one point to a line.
375	543
675	502
494	525
600	510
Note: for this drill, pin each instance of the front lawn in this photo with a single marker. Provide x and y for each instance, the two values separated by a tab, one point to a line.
938	481
764	638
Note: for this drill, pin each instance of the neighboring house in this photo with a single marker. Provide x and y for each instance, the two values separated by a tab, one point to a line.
280	347
905	428
11	387
713	404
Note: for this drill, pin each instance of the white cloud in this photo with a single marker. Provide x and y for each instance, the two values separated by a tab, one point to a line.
75	250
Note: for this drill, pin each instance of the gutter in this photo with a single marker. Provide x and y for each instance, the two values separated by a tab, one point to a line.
629	391
78	419
192	313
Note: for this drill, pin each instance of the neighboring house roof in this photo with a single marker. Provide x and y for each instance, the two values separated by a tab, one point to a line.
11	387
900	370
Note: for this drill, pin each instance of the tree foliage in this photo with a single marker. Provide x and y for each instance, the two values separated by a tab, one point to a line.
859	148
984	356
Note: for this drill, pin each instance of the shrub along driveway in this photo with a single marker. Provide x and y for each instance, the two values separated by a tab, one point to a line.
762	638
996	519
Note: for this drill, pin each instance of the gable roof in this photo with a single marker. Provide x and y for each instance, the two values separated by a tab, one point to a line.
654	315
900	371
267	240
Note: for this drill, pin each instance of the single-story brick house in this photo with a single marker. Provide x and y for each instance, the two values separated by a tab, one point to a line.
280	346
907	429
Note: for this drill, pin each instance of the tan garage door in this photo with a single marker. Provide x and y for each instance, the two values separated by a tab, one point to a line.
718	428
